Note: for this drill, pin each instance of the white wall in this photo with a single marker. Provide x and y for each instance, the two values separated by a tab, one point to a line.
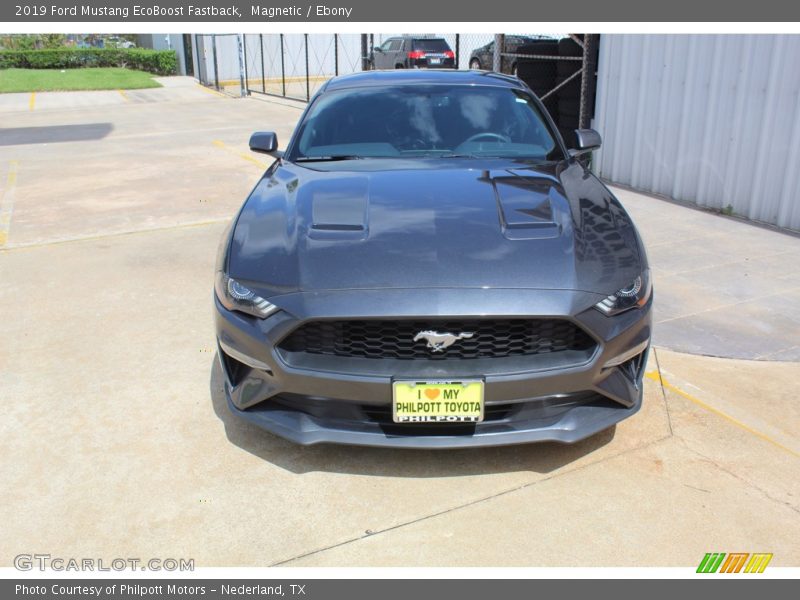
158	41
709	119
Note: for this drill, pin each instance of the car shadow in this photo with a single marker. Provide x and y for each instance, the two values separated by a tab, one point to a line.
539	458
54	134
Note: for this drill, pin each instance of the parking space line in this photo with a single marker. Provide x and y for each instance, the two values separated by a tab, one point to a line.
32	101
7	201
659	378
89	238
124	95
222	145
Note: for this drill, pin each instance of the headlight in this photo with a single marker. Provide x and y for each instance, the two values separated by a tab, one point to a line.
634	295
235	296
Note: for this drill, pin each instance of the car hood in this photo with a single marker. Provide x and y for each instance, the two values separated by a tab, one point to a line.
374	224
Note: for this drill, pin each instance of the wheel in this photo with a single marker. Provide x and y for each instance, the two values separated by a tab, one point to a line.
514	70
399	66
475	64
568	122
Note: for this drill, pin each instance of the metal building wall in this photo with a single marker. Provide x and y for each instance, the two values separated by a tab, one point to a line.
709	119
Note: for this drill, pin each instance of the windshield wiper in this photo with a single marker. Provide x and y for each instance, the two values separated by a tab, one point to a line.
455	155
330	158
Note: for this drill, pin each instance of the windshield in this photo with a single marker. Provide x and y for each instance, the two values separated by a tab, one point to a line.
424	121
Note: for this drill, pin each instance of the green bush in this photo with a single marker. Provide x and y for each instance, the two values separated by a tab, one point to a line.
24	41
159	62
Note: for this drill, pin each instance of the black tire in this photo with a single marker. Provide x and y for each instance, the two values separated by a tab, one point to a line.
536	73
536	68
399	66
576	81
568	47
565	68
571	90
569	107
567	122
475	64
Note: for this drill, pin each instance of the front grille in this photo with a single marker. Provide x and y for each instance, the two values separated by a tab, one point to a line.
492	338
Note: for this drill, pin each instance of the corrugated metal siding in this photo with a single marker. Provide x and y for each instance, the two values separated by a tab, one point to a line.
709	119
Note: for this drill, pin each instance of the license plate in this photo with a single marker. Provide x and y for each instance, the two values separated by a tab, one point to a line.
437	401
435	61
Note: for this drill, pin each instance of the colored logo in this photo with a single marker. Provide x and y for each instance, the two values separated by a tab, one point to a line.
735	562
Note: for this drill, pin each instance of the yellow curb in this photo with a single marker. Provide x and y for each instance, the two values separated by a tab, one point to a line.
211	91
655	376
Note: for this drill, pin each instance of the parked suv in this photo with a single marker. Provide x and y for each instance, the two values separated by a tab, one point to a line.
408	52
483	57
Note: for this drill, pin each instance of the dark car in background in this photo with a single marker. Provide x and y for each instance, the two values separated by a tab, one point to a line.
410	52
427	265
483	57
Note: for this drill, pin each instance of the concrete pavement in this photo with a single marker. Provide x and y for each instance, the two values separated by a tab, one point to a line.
724	287
116	439
114	168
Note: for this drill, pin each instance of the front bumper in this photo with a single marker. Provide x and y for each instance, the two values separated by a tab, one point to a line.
526	401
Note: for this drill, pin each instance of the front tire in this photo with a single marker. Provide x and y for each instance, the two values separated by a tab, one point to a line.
475	64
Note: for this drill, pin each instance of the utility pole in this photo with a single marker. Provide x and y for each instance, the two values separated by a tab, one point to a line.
242	74
497	58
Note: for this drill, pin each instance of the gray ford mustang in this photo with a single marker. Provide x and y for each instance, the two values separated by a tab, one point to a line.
428	266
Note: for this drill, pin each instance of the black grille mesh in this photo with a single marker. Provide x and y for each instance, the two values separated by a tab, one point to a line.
492	338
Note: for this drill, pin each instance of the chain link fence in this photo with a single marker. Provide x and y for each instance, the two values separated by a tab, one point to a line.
561	70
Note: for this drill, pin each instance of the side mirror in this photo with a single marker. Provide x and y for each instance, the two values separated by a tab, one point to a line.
586	140
265	142
377	49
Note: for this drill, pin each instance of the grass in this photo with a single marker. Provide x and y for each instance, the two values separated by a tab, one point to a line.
55	80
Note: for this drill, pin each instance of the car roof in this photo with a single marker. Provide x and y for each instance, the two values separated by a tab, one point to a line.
415	37
420	76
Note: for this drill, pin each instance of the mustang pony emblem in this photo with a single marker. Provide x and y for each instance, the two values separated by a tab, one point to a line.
437	342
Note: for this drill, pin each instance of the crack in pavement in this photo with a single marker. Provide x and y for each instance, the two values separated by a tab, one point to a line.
490	497
730	305
686	444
